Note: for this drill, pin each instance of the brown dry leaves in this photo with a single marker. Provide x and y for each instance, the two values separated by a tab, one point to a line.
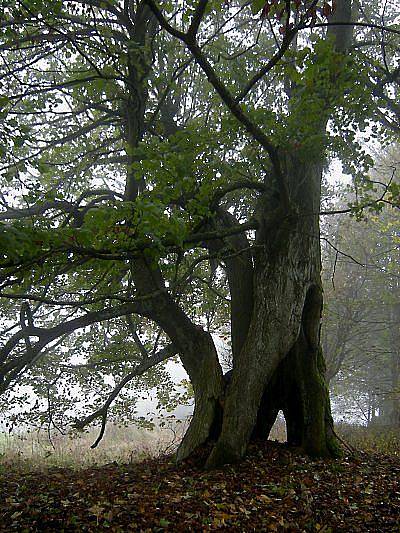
274	489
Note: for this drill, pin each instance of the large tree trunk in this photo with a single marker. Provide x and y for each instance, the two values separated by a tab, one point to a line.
282	350
208	387
298	389
197	353
285	312
306	403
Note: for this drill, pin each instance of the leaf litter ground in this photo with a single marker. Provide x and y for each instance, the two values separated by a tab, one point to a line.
273	489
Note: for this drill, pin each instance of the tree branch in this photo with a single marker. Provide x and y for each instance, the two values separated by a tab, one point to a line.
234	186
361	24
252	128
196	20
148	363
136	338
141	306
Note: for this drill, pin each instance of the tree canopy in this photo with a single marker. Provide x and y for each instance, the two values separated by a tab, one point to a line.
161	172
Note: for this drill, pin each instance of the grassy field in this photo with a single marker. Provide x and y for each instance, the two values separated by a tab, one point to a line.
371	439
120	444
130	444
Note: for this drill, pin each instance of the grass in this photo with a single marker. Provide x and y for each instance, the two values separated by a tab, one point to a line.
376	439
120	444
125	445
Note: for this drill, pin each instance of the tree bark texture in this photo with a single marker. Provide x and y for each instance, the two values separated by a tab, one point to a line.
282	349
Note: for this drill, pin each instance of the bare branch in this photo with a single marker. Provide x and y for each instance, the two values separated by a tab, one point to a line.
388	29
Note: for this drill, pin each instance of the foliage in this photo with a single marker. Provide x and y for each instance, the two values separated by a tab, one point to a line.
96	100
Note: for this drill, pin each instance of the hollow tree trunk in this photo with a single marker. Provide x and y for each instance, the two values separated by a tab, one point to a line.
281	363
273	331
287	306
298	388
307	412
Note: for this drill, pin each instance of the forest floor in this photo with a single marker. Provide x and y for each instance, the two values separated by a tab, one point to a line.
274	489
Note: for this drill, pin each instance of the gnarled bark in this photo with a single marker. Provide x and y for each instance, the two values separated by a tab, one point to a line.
306	404
284	330
197	353
208	387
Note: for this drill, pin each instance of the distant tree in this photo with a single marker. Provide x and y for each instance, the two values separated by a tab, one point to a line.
361	322
145	140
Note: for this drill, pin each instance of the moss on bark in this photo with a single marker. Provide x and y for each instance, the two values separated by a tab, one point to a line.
298	388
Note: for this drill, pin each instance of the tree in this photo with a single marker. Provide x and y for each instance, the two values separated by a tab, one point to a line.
360	326
142	150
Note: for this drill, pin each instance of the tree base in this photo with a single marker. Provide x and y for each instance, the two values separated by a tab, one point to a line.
299	390
297	387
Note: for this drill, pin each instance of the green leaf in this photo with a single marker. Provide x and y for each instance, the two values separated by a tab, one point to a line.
257	5
4	100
